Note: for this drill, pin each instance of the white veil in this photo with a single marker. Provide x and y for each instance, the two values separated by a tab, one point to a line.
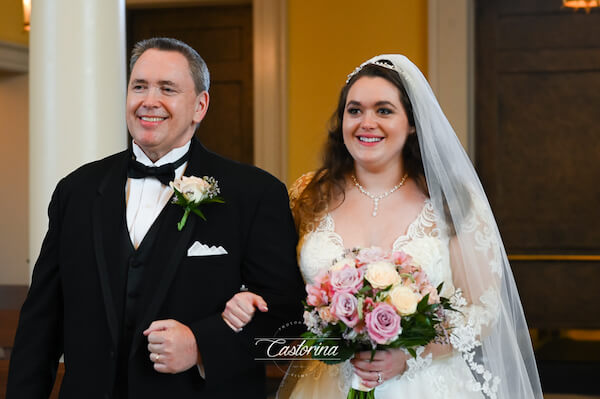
491	333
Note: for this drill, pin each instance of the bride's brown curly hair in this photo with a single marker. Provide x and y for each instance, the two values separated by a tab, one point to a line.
329	181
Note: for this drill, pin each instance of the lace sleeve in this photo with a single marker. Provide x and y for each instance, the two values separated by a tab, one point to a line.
298	187
478	240
477	299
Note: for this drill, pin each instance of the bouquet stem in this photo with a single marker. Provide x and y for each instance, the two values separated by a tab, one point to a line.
358	394
359	391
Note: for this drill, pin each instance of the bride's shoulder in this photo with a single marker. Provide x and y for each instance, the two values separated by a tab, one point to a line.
298	187
414	199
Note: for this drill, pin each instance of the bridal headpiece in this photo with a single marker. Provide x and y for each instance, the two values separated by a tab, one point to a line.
383	63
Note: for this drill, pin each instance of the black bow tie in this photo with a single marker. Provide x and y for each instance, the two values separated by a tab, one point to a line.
164	173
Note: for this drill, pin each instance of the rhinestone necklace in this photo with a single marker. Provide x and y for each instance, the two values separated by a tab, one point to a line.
377	198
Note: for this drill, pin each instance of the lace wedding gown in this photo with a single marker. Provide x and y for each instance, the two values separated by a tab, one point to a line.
447	376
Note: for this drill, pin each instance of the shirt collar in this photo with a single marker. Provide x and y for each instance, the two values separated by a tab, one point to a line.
169	157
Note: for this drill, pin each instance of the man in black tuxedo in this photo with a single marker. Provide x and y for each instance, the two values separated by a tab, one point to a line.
117	289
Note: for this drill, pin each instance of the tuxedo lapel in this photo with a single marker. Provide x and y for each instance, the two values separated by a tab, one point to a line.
169	249
107	224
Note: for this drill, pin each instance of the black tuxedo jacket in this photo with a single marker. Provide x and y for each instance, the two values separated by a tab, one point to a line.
74	305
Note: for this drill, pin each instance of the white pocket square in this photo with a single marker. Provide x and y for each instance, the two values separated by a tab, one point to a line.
198	249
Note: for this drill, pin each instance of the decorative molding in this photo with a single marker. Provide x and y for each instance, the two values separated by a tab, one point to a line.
13	57
270	86
451	64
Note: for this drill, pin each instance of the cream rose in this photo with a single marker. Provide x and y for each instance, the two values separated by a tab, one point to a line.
194	189
382	274
342	263
404	299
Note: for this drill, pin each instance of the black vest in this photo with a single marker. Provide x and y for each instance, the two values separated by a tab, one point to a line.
128	288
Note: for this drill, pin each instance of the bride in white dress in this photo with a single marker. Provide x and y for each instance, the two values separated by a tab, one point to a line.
395	176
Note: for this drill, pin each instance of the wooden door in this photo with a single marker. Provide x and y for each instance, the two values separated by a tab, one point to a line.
223	37
538	155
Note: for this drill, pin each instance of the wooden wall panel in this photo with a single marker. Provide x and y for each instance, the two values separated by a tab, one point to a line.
223	37
559	293
538	149
547	165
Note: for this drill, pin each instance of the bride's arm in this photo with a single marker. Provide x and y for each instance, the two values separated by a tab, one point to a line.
240	309
476	261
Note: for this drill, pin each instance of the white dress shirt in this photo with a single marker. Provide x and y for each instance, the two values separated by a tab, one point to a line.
146	198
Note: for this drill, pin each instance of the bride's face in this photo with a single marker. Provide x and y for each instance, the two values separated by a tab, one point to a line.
375	125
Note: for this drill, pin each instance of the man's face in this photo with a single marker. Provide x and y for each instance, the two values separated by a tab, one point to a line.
162	105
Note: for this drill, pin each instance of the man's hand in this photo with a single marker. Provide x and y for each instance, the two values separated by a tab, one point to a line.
172	346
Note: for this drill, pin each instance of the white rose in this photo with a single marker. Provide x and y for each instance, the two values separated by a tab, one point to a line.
194	189
382	274
404	299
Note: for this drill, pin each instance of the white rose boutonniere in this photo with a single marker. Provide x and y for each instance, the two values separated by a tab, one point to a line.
191	192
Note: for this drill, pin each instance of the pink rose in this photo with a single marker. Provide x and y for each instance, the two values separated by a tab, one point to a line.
383	324
344	306
316	296
347	279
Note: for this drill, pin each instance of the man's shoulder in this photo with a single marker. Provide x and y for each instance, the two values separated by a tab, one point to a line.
240	173
96	170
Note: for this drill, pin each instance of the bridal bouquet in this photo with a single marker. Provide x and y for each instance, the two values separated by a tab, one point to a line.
370	300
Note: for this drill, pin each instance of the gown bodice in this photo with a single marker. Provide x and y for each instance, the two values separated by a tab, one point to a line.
427	243
424	241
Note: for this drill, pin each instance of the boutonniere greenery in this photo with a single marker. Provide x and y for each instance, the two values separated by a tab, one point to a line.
191	192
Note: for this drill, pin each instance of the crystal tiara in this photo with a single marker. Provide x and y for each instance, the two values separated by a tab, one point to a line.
382	63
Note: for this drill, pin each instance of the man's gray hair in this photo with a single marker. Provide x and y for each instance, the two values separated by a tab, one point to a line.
198	68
